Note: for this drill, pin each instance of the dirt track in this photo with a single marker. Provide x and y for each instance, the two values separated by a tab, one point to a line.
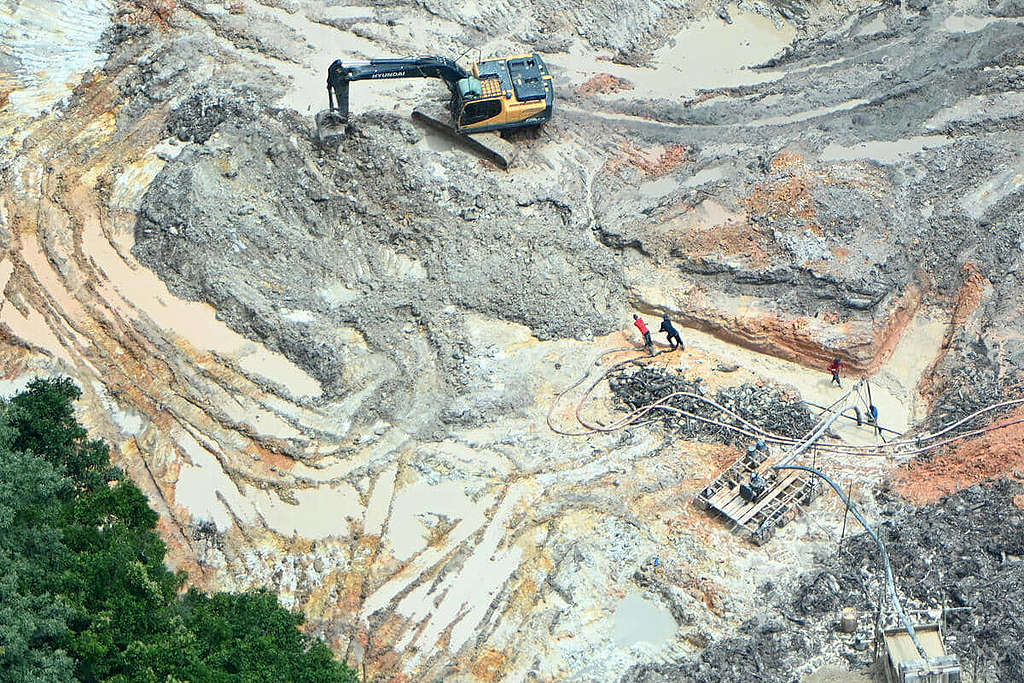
330	372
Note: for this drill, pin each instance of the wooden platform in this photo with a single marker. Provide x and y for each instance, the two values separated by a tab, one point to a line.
771	510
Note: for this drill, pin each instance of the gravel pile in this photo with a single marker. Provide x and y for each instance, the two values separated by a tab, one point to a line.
767	649
969	388
766	406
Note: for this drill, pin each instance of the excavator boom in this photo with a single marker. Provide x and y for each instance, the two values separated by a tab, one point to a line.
341	73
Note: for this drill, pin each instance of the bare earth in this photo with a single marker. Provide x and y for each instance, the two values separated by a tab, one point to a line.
331	370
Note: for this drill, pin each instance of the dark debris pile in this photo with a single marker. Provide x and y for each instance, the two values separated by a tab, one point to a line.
969	388
766	406
767	649
198	117
966	551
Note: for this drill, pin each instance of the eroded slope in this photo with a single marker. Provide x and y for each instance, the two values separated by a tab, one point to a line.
331	372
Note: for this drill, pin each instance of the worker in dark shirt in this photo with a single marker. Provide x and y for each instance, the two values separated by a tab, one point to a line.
642	326
834	368
671	333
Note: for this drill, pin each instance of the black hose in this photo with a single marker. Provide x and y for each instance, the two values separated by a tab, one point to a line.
881	546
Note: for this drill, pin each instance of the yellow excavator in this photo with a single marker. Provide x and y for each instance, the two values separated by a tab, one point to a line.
511	93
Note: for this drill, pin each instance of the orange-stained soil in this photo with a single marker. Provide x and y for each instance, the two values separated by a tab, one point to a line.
490	666
654	161
152	12
735	239
991	456
797	340
603	84
789	197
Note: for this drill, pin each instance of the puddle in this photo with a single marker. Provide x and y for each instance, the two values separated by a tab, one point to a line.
707	54
458	601
659	187
406	530
713	54
205	490
638	619
966	23
705	176
884	151
1002	105
320	512
308	90
307	78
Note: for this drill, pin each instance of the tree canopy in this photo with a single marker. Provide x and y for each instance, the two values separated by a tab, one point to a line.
84	591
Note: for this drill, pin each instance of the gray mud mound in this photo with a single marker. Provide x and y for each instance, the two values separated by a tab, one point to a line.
868	163
360	265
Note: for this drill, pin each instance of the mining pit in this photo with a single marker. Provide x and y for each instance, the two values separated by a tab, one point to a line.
400	387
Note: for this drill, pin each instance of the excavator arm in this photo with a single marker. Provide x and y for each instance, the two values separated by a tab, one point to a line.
341	73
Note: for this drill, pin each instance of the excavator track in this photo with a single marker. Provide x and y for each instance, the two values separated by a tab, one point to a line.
490	146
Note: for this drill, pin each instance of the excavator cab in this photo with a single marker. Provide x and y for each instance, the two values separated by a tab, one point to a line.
503	94
481	113
468	107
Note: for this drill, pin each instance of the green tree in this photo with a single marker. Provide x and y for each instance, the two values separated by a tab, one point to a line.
43	420
84	591
33	624
249	637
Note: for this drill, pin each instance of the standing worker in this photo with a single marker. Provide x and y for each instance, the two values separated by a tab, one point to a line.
642	326
834	368
671	333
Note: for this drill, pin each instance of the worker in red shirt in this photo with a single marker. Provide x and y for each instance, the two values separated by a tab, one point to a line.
834	368
642	326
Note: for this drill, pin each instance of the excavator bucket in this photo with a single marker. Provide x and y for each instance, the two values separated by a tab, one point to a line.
490	146
330	127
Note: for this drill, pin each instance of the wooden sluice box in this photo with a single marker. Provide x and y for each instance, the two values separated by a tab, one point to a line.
902	662
757	499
